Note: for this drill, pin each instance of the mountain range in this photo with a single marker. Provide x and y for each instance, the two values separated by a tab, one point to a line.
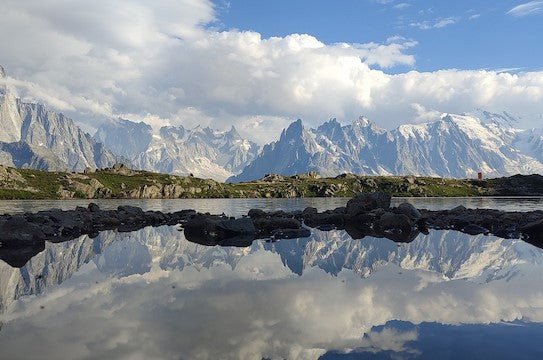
203	152
455	146
458	146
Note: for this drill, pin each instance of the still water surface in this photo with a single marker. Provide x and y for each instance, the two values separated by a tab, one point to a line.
237	207
151	294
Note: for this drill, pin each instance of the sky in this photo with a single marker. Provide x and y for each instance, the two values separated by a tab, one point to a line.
259	65
474	34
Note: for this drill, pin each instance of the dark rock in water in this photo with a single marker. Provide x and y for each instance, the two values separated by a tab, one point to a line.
257	213
340	210
359	232
93	207
16	231
130	210
391	221
217	227
291	233
361	220
368	202
409	210
315	220
130	214
278	213
473	229
236	226
458	209
266	226
533	229
295	214
308	211
214	230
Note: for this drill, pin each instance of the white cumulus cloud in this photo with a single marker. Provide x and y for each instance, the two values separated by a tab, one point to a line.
166	62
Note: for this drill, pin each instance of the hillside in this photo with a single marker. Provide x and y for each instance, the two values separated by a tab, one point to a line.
120	182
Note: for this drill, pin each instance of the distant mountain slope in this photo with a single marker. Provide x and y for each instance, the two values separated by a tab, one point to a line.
32	136
203	152
22	155
453	146
124	137
530	142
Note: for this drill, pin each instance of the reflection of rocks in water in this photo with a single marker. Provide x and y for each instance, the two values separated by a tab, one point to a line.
52	266
366	215
18	257
452	254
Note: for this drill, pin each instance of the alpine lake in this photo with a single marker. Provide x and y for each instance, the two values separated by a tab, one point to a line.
152	294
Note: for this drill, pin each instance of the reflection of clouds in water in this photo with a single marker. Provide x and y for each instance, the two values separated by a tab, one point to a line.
260	309
451	254
389	339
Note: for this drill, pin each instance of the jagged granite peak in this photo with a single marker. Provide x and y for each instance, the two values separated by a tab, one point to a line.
452	146
49	134
292	154
201	151
295	129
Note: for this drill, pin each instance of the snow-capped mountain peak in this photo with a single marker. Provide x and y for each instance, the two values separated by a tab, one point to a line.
503	119
450	146
201	151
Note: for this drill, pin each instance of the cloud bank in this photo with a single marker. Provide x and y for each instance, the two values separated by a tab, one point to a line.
167	62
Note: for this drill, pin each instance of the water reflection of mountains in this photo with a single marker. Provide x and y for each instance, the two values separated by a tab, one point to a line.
453	255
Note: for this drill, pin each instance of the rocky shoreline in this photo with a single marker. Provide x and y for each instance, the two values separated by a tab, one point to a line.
22	236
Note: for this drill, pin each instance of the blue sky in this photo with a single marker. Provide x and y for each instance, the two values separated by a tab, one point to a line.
462	34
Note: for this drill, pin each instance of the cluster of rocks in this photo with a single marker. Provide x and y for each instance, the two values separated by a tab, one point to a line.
23	236
220	230
504	224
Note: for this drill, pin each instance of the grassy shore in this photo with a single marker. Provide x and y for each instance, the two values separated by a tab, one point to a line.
123	183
